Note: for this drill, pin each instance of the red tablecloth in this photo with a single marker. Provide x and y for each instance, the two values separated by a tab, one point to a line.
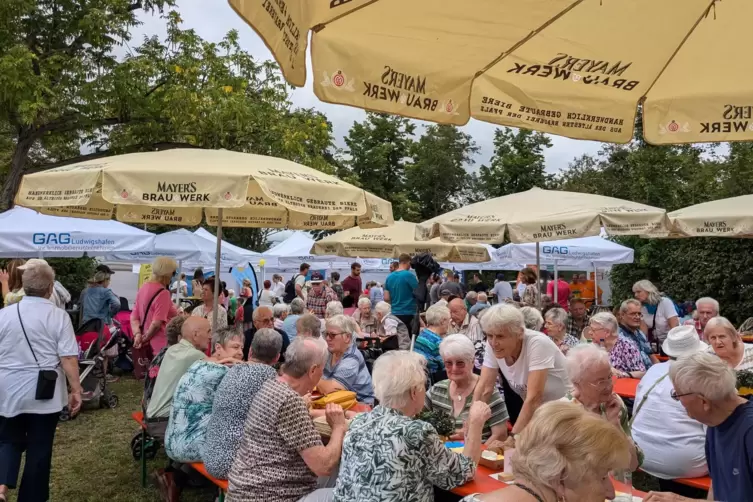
626	387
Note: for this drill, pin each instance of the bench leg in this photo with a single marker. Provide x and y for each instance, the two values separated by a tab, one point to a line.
222	496
143	458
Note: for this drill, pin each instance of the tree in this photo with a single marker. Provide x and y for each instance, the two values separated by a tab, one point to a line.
437	178
517	164
377	151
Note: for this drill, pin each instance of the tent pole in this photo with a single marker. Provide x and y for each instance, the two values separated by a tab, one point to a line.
180	271
218	255
538	275
556	275
596	285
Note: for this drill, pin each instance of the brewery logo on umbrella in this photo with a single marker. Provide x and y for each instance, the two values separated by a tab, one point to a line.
672	127
338	80
449	107
124	194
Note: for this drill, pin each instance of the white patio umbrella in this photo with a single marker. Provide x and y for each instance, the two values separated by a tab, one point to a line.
731	217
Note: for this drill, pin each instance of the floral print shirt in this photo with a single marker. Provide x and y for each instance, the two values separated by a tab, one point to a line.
191	411
392	458
640	340
625	356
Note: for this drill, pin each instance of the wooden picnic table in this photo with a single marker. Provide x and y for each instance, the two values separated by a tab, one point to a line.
626	387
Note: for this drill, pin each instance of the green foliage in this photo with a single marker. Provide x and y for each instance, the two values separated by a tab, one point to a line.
70	272
517	164
441	421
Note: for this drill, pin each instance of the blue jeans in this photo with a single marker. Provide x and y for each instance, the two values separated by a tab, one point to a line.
34	434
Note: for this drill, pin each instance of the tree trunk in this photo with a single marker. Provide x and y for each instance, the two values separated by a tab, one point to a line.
26	138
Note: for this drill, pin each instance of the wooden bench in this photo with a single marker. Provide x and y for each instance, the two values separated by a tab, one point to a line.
703	483
219	483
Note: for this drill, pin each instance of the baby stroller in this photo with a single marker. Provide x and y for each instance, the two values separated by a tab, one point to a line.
124	338
92	348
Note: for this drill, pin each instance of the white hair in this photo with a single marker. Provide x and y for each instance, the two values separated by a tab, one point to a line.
705	374
333	308
471	295
707	300
724	323
606	320
654	297
297	306
582	359
38	280
482	298
557	316
437	314
279	309
441	302
457	345
632	301
383	308
395	374
503	317
224	336
342	323
532	318
362	302
302	354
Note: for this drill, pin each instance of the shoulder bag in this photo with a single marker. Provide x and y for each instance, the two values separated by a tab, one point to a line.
47	379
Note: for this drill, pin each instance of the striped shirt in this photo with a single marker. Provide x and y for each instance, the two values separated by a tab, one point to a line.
438	398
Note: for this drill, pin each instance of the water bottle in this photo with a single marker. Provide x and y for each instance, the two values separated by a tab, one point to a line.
624	493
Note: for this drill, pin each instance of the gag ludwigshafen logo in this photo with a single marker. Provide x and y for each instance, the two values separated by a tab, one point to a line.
63	240
555	250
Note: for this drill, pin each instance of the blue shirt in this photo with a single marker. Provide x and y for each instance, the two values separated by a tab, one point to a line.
288	326
99	303
638	338
427	344
352	373
376	295
400	285
729	453
478	308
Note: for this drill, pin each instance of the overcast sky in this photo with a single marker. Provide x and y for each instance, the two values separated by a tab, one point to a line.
212	19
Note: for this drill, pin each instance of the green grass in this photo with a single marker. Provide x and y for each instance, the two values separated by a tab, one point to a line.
92	459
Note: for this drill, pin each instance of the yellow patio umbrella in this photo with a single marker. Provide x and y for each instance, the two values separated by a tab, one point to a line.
732	217
576	68
392	241
538	215
179	187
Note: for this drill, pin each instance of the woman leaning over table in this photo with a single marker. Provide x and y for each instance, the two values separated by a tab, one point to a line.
389	456
454	396
590	372
624	355
564	455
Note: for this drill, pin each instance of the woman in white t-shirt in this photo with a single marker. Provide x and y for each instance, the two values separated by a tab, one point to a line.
659	314
531	363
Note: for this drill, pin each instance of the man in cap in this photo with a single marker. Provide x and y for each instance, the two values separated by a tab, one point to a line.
319	296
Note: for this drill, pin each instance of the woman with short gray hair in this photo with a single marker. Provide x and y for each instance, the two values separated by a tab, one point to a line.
35	336
727	343
428	340
280	311
345	368
410	456
532	318
365	318
531	364
624	355
556	328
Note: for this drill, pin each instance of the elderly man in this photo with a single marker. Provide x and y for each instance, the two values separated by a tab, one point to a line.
705	386
630	328
297	309
727	343
319	296
482	302
530	362
196	334
308	325
263	318
393	332
471	298
705	309
462	322
345	368
672	442
577	318
232	399
280	453
280	312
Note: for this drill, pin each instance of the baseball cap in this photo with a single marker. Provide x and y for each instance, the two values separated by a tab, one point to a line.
316	277
32	263
445	292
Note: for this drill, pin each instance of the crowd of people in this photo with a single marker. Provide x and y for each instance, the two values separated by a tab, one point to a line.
509	368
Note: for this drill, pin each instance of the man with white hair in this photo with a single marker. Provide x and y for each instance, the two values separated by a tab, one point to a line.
482	302
263	317
281	453
393	332
672	442
530	362
706	388
705	309
463	322
471	297
630	328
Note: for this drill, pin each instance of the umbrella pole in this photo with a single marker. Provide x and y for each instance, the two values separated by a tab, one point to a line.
180	270
596	286
556	275
538	275
218	255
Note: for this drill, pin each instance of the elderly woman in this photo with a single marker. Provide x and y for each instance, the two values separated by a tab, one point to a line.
531	293
407	454
556	328
428	340
624	355
35	336
590	372
153	309
728	344
659	314
206	309
531	364
532	318
564	454
192	402
454	396
280	312
345	368
393	332
280	453
365	318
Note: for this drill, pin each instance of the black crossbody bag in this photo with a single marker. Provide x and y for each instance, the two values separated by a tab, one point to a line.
47	379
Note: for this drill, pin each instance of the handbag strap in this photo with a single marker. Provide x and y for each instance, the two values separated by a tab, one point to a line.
643	399
18	311
148	306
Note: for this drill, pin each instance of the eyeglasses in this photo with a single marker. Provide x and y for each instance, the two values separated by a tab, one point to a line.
602	384
674	395
634	314
456	364
266	320
331	336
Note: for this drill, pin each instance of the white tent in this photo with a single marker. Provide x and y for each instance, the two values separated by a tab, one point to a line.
188	249
231	249
25	233
581	253
296	249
